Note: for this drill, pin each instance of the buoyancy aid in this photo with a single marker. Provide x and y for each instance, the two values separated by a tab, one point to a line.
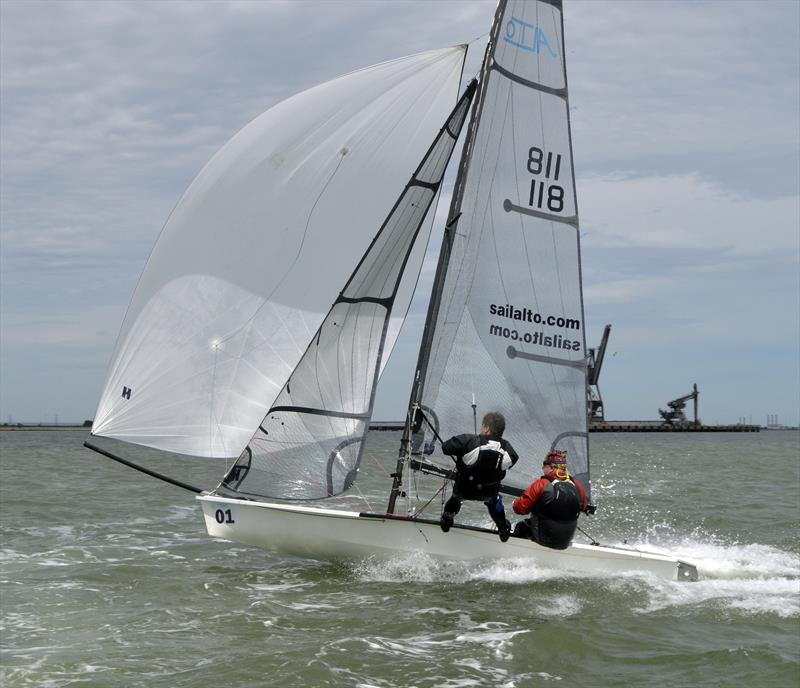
481	469
560	501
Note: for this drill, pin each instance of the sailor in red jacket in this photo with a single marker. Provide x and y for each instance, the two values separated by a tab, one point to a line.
554	502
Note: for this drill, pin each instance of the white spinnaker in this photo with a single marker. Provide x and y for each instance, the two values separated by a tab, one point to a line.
310	444
256	250
510	326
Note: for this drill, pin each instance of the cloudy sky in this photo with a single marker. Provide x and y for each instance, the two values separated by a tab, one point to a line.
686	126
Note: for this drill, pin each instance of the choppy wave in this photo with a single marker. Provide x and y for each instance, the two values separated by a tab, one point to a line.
750	578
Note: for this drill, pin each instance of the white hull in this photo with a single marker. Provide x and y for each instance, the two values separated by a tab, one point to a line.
347	535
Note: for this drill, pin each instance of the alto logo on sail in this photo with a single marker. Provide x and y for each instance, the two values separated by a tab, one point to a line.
527	37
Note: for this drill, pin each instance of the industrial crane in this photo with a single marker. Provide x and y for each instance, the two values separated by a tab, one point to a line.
676	406
594	363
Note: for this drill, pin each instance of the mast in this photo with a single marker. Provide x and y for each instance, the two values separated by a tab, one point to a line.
441	267
587	484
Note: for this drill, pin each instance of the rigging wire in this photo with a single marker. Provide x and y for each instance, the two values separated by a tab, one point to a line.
595	542
591	539
477	38
374	457
441	490
430	425
433	496
291	471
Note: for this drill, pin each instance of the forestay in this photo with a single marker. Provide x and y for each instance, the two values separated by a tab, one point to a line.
506	323
251	258
309	445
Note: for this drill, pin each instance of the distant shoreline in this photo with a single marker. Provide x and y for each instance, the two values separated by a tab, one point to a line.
45	426
611	426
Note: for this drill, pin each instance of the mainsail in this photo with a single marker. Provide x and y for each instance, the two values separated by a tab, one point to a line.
310	443
505	325
252	256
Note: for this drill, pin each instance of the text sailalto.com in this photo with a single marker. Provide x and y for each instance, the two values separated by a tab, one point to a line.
540	338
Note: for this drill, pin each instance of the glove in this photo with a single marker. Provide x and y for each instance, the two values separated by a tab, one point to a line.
429	448
590	509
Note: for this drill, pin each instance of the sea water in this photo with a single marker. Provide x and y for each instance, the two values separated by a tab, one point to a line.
109	579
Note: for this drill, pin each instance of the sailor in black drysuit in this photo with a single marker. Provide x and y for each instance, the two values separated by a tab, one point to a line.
554	502
481	464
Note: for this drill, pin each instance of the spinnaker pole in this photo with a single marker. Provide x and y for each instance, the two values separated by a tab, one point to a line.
142	469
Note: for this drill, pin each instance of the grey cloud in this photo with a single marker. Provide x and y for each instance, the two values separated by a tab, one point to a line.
109	109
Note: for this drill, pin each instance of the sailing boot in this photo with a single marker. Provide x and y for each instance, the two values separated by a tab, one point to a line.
451	507
504	531
498	513
447	521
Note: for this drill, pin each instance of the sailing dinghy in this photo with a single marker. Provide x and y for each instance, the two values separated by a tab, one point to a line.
277	288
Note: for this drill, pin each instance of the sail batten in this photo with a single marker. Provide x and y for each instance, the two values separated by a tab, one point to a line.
560	92
508	206
319	412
